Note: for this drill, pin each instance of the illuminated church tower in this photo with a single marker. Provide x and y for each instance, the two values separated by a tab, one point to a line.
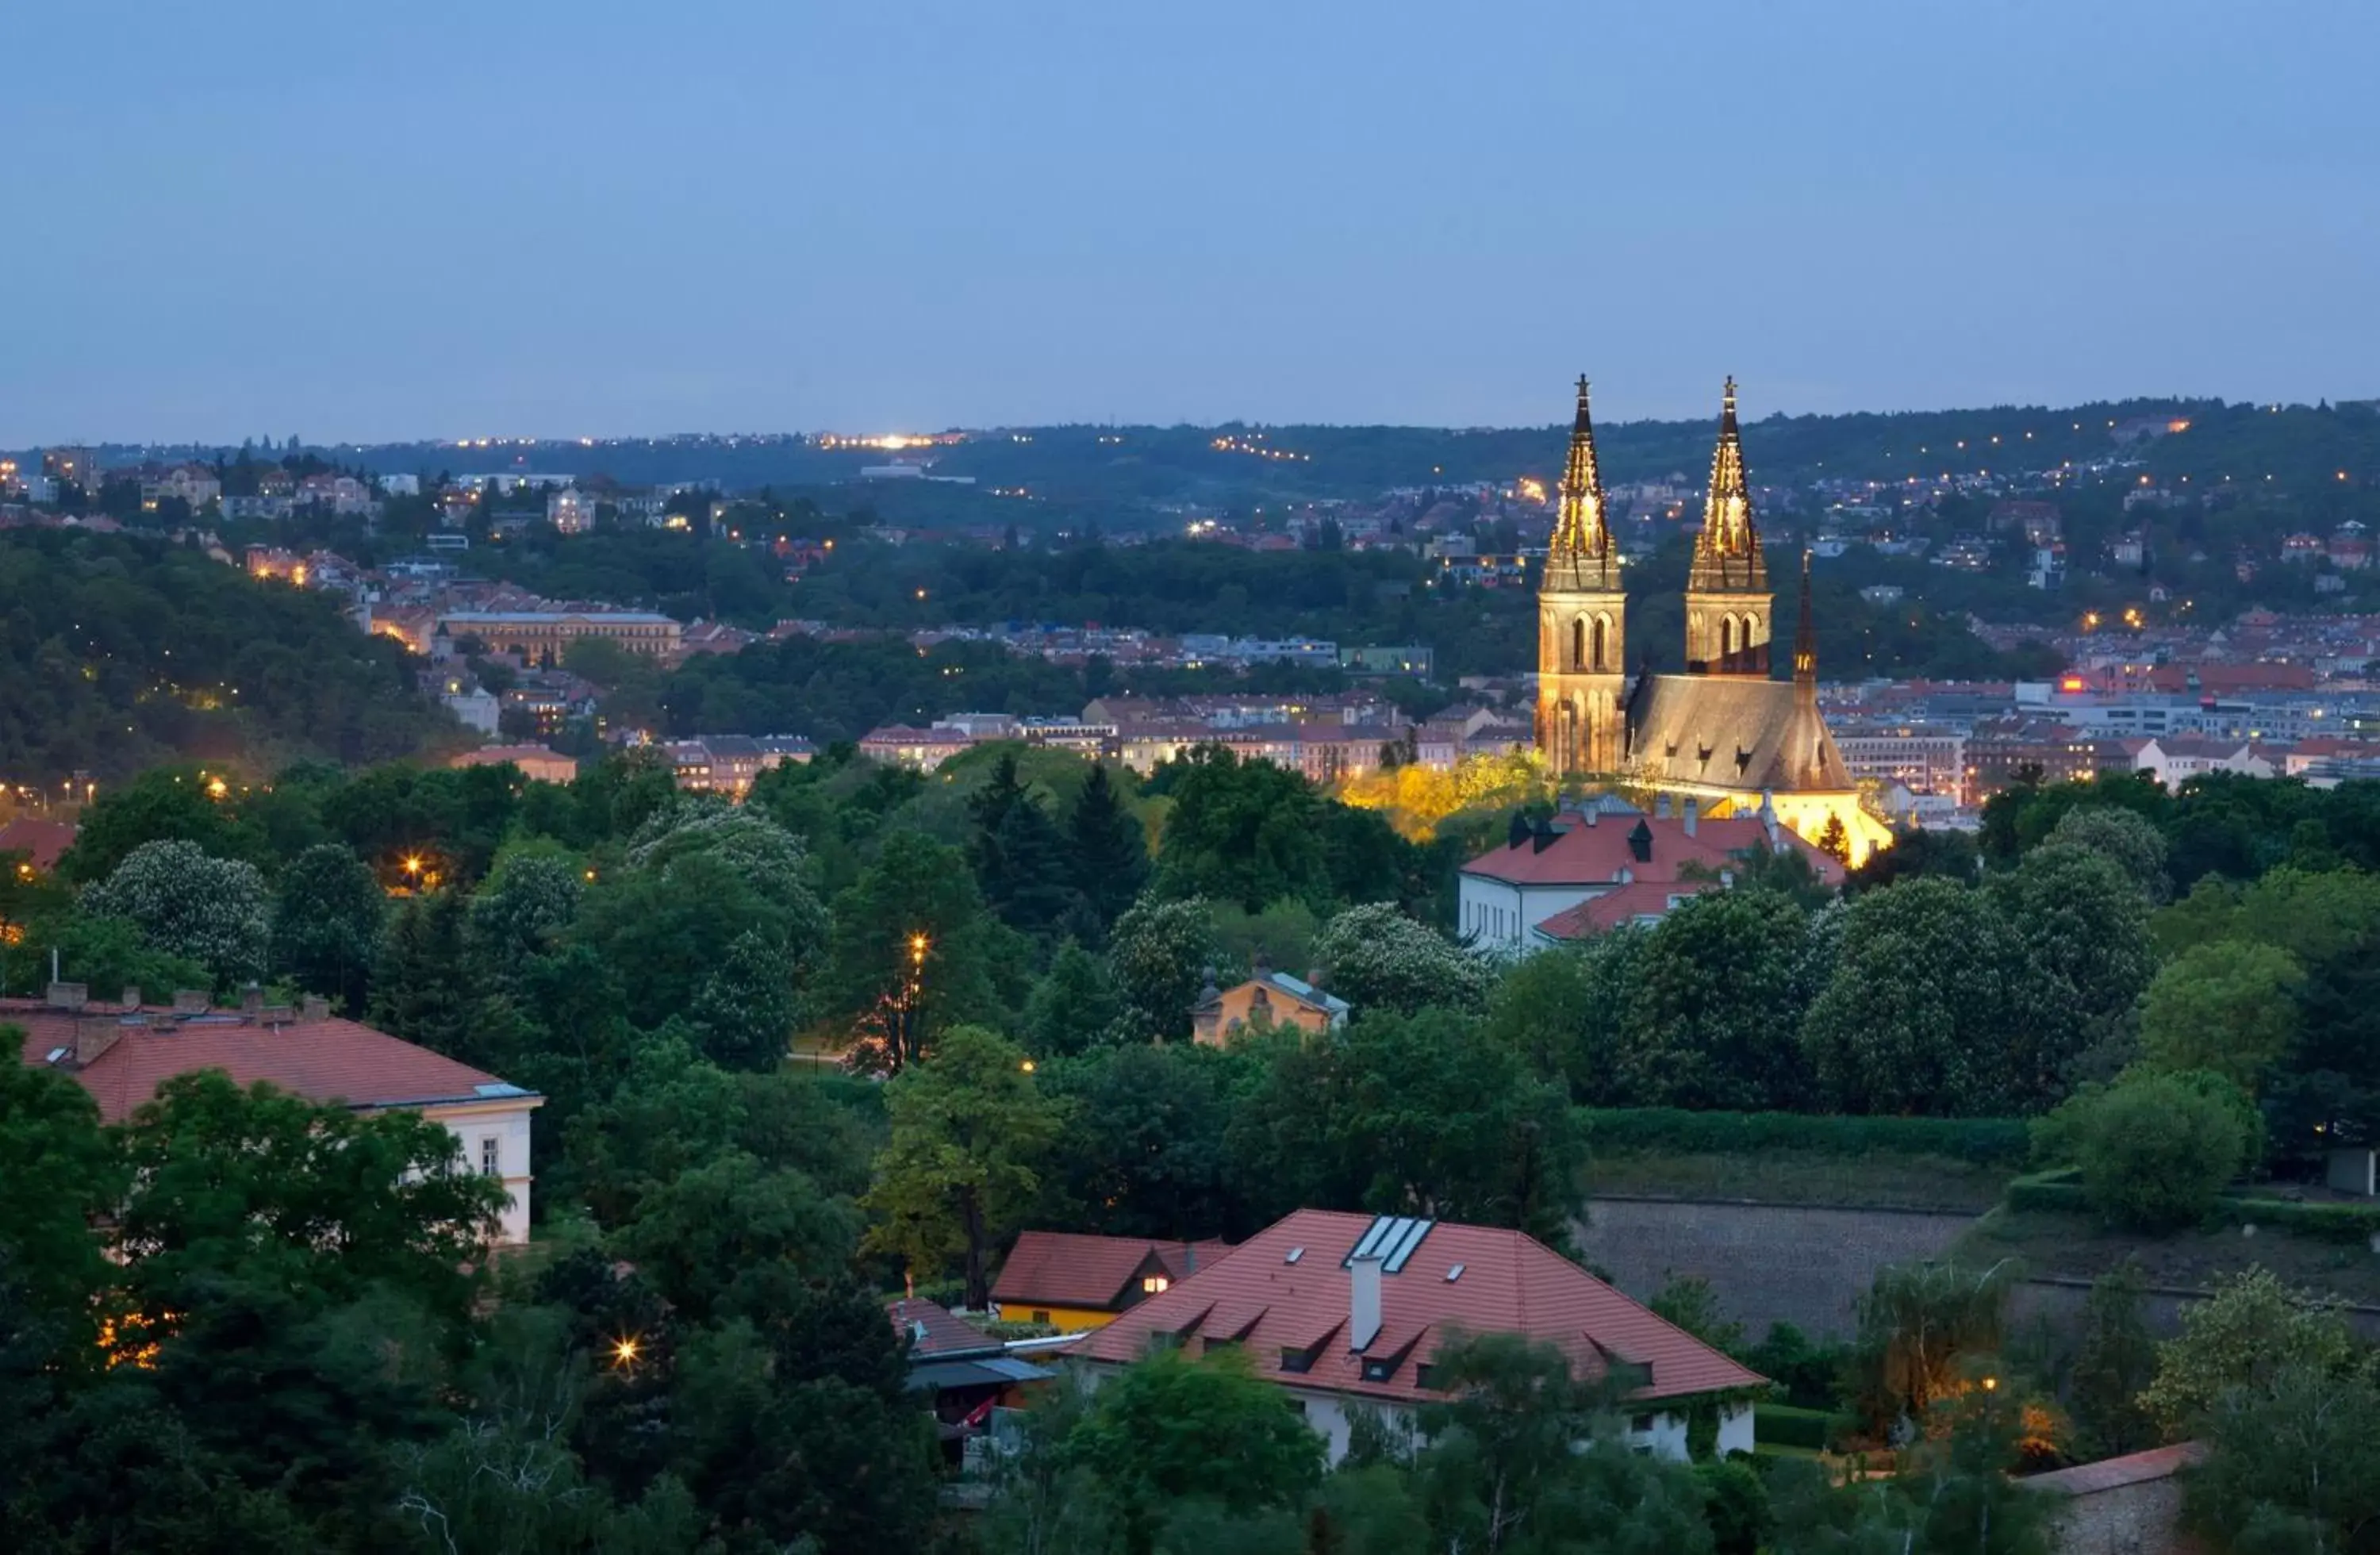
1582	622
1729	607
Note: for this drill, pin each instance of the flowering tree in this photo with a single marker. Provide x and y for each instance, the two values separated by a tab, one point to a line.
1377	958
213	910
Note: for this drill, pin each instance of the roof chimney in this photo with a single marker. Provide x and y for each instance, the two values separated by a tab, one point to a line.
68	996
1363	1302
132	999
315	1008
1593	813
94	1036
1690	815
251	998
1662	806
190	1002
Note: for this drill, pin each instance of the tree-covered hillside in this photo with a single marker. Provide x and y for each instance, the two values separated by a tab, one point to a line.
117	653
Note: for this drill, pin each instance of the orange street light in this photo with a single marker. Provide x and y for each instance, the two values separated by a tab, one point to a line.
624	1352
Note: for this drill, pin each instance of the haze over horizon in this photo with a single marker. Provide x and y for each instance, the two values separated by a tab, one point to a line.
259	218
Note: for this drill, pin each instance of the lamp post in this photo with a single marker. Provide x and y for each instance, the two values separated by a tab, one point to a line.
905	1018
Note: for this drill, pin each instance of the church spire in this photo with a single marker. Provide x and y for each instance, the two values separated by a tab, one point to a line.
1580	556
1727	553
1806	637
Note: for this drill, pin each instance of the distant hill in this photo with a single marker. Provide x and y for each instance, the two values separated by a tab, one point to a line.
1117	472
119	652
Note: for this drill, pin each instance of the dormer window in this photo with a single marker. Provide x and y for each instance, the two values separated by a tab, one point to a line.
1381	1371
1154	1284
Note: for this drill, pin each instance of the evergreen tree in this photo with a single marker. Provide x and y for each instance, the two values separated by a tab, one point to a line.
1017	854
1074	1007
418	989
326	923
1110	852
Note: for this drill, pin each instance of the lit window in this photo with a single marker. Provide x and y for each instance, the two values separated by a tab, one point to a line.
489	1156
1151	1284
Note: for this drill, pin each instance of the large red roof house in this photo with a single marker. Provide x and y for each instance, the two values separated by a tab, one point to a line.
1348	1311
122	1052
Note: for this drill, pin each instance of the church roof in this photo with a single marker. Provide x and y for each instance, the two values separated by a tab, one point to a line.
1731	731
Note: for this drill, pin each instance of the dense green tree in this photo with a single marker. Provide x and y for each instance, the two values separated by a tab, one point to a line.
1074	1007
528	898
1716	1009
1504	1471
57	1172
163	804
715	1239
1377	958
972	1133
1171	1429
2084	923
2292	1464
2229	1006
212	911
2250	1329
1918	1013
1161	952
1144	1153
1244	831
2126	838
1561	1012
745	1007
326	924
1410	1115
912	951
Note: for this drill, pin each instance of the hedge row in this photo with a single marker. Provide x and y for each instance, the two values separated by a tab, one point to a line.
1783	1425
2061	1192
1985	1141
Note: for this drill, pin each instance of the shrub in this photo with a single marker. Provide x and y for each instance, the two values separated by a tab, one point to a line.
2155	1150
1783	1425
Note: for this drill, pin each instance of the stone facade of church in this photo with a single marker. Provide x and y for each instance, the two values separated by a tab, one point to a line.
1723	732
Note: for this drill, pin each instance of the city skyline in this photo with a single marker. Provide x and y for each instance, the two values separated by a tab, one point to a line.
442	223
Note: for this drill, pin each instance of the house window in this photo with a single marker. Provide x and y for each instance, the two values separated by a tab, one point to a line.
490	1157
1640	1422
1296	1362
1380	1371
1426	1375
1152	1284
1040	1314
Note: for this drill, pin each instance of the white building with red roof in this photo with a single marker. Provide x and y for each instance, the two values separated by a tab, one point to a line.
122	1052
1607	866
1347	1312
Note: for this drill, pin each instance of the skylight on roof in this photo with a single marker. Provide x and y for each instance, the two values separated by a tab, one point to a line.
1293	1255
1453	1274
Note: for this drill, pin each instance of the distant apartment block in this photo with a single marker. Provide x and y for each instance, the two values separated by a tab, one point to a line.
570	511
541	637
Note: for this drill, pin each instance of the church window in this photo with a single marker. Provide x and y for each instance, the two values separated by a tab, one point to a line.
1578	643
1726	636
1602	641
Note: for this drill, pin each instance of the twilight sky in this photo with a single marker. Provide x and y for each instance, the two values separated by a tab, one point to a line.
566	217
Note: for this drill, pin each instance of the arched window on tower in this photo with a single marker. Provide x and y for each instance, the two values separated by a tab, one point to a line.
1726	637
1578	642
1602	642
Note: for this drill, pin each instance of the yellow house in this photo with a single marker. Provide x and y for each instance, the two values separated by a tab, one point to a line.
1074	1282
1269	998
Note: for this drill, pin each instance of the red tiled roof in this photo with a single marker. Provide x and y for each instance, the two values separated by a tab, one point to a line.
327	1060
1599	915
1507	1283
46	841
940	1330
1594	855
1068	1268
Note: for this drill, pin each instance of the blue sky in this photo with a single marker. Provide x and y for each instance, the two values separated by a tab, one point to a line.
357	221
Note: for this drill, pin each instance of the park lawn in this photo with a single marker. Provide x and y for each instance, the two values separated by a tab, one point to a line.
1817	1177
2079	1247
